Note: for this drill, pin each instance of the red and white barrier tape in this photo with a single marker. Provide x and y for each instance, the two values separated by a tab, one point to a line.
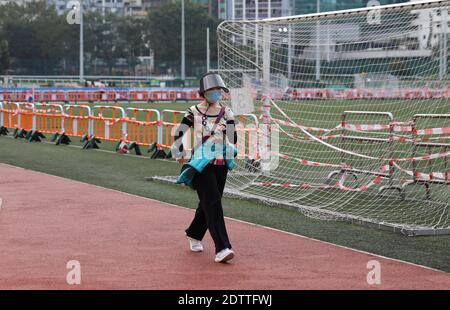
288	185
316	138
376	127
364	127
305	162
425	157
364	187
397	127
402	128
433	138
360	188
444	176
279	121
110	122
433	131
339	184
423	176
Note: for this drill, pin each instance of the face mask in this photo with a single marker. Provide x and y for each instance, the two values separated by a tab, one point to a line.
213	96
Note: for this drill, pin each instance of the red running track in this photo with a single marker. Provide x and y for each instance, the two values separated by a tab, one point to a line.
129	242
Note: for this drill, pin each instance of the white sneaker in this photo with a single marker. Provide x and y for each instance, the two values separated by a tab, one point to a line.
195	245
224	255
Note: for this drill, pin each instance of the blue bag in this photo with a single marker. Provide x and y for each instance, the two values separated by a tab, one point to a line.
201	159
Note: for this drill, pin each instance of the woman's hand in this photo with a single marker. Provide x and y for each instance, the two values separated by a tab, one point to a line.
220	128
181	160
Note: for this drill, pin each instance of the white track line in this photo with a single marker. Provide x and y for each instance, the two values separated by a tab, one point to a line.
241	221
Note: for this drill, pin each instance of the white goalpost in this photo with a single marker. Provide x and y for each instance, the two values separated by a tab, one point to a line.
361	103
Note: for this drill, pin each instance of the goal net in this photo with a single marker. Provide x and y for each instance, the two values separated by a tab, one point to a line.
360	100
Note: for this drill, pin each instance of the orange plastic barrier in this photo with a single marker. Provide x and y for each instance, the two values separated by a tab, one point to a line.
247	128
49	117
112	123
9	114
121	95
193	95
109	95
18	115
75	96
109	123
139	96
26	116
59	96
144	126
170	95
93	96
77	120
170	121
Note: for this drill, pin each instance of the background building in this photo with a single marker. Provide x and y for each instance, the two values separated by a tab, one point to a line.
137	8
222	9
20	2
310	6
253	9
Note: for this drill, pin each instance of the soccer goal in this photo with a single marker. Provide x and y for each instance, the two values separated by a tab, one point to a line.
345	91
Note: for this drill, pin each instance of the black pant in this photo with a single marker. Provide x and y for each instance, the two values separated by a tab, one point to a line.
209	214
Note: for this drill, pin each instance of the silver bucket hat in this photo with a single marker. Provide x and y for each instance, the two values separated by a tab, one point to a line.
211	80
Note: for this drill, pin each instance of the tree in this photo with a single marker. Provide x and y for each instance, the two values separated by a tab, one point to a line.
131	30
35	40
4	51
4	55
164	33
34	34
116	37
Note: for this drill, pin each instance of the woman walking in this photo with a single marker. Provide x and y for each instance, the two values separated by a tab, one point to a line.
213	124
